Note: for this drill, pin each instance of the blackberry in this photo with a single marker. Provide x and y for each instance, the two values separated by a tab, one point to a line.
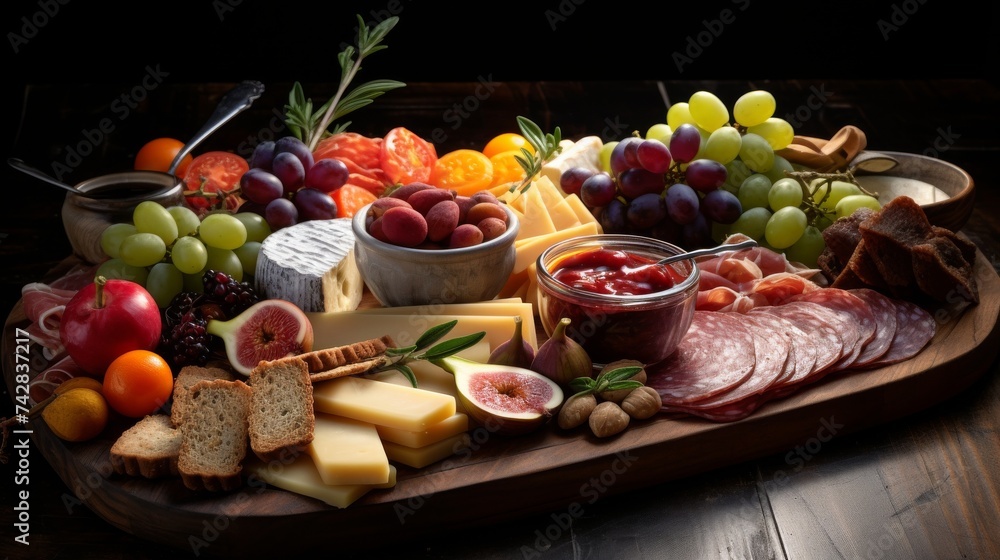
181	304
234	297
188	342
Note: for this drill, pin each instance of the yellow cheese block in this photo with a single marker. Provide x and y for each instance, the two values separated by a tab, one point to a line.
429	376
563	216
384	404
348	327
504	306
423	456
457	424
348	451
529	250
302	477
531	292
550	193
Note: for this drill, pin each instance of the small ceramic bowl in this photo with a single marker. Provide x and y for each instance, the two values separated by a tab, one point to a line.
945	191
400	276
616	326
85	218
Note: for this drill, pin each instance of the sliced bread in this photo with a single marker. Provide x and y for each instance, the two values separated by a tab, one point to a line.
214	435
281	407
186	377
149	449
350	359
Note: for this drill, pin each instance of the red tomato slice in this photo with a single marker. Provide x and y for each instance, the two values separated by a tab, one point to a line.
350	199
361	149
406	157
214	172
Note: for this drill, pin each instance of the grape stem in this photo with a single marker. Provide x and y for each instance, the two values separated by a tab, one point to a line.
814	209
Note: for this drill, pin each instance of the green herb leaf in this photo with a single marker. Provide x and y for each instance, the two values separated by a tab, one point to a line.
400	351
621	373
619	385
453	346
546	147
435	334
406	371
582	384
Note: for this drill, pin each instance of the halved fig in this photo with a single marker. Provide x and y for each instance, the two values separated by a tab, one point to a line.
507	400
267	330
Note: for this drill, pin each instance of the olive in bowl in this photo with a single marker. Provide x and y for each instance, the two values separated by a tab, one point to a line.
430	272
621	304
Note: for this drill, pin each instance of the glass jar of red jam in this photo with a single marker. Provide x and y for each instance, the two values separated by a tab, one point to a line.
621	304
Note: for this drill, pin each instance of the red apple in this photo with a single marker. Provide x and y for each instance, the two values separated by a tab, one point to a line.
106	319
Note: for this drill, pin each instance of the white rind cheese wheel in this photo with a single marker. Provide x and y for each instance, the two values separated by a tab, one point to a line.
311	264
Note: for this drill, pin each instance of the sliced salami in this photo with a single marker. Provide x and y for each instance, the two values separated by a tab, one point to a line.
915	327
803	348
857	320
884	310
824	338
772	354
716	355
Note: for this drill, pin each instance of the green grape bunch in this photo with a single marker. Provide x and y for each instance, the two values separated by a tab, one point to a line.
168	249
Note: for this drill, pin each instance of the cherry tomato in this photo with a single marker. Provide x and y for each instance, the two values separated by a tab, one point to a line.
464	171
406	157
158	154
362	150
214	172
506	169
506	142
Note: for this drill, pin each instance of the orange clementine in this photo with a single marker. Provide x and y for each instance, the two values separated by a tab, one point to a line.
159	153
506	142
138	383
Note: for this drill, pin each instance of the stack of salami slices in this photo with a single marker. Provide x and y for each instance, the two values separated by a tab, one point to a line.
730	363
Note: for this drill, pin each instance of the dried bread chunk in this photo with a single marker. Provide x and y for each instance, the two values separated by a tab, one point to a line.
150	448
186	377
940	269
281	407
329	358
214	435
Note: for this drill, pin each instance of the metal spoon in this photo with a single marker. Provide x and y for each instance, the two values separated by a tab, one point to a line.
237	100
709	251
19	164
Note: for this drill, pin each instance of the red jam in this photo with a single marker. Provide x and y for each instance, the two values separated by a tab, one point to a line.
608	271
642	325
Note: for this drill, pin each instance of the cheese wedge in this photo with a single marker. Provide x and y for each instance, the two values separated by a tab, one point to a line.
301	477
585	153
383	404
582	212
421	457
536	216
529	249
348	451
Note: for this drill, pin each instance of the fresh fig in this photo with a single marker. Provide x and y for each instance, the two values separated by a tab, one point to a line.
562	359
507	400
516	351
267	330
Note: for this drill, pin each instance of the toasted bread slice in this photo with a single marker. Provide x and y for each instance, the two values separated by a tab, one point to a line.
188	376
149	449
214	435
281	407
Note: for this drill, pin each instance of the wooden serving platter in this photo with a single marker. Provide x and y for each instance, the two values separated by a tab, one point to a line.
511	477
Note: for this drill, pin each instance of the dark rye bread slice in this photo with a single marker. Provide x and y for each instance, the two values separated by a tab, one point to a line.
943	272
187	377
150	448
281	408
214	435
349	359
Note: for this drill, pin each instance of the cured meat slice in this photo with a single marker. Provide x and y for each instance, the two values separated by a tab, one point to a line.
884	310
857	319
822	336
915	327
772	350
716	355
804	348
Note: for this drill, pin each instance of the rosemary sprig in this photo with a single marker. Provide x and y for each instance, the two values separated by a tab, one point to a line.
427	348
546	147
311	126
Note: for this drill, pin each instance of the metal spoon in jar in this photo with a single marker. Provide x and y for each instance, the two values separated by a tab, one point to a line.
709	251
